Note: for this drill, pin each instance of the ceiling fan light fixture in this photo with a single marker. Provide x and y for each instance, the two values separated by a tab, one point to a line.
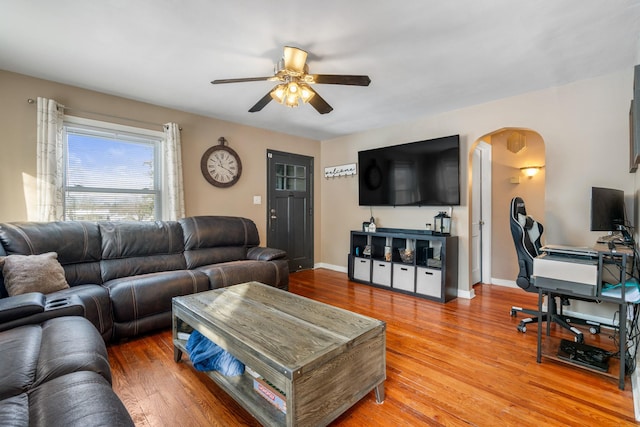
278	93
306	93
291	93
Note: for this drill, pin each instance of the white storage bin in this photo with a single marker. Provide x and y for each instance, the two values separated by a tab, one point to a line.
429	282
362	269
404	277
381	273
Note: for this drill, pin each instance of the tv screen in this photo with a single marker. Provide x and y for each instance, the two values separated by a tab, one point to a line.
422	173
607	209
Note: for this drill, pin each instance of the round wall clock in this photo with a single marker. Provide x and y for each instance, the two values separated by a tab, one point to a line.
221	165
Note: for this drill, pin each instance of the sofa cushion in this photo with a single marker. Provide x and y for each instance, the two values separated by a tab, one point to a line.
77	244
131	248
235	272
215	239
77	399
147	295
33	354
19	350
70	344
14	411
33	273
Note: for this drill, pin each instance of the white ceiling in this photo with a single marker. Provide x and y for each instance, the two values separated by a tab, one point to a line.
423	56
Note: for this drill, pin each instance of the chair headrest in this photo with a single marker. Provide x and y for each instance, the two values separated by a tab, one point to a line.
517	208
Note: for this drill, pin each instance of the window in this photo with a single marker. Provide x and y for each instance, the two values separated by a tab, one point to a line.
290	177
112	172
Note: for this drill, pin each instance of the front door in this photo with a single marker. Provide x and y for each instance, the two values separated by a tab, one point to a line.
290	207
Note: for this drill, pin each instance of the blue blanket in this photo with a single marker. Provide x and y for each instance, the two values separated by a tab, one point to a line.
208	356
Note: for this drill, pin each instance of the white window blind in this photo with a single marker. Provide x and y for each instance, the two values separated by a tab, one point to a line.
111	174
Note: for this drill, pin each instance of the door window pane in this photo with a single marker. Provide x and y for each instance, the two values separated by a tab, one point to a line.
291	177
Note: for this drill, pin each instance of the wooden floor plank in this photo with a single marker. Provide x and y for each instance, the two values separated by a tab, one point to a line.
456	364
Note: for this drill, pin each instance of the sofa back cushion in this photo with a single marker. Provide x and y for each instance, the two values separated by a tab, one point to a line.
130	248
215	239
77	244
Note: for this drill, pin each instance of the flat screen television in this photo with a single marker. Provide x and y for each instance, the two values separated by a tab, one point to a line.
422	173
607	209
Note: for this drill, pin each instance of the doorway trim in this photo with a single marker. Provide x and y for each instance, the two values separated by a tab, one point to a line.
485	207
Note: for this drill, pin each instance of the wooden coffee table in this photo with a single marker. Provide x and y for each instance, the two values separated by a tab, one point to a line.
323	358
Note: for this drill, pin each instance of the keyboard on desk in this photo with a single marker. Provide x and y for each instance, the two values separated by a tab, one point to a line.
615	238
584	355
570	251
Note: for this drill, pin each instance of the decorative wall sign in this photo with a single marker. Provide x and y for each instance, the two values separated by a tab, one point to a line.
342	170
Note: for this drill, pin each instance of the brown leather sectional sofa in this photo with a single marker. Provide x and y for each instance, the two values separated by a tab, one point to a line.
124	274
117	276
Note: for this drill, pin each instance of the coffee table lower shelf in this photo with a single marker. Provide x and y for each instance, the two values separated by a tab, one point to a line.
240	388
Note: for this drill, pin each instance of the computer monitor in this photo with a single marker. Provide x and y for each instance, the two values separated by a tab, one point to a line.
607	209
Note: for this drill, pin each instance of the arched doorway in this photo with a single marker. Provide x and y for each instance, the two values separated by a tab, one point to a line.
501	156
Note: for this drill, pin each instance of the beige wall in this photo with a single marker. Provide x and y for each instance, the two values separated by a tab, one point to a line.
584	126
505	166
18	148
585	130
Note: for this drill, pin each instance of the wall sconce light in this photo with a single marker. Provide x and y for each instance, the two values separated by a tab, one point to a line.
531	171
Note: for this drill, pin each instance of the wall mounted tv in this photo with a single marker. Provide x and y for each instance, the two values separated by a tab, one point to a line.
422	173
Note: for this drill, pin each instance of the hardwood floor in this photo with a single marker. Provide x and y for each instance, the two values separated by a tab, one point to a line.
454	364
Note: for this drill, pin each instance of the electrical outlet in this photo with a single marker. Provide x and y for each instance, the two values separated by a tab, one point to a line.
257	200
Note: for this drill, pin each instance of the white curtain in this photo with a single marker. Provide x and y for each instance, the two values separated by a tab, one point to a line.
173	201
50	161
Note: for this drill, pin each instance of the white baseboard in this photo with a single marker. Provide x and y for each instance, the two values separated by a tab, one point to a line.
505	283
333	267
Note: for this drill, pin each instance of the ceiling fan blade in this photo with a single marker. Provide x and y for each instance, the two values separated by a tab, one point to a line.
262	103
337	79
319	103
247	79
294	59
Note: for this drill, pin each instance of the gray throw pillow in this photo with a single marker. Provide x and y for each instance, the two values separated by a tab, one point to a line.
32	273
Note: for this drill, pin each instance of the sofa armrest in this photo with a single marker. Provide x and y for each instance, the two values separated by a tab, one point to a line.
19	306
33	308
260	253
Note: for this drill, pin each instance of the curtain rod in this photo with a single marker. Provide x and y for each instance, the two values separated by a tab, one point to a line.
64	107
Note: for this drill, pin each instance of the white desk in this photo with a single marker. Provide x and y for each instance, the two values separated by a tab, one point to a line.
604	255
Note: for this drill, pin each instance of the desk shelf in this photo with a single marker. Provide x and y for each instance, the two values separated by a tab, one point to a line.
551	344
548	345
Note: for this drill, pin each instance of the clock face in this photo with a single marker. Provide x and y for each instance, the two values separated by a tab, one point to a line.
221	166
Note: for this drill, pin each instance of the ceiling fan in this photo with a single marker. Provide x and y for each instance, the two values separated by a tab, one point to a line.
292	73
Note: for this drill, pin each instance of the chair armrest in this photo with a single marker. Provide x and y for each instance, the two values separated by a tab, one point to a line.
260	253
19	306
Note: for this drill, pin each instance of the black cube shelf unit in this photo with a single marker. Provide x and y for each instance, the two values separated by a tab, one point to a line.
432	271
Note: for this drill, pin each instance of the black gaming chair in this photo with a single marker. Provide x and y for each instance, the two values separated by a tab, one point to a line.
526	234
